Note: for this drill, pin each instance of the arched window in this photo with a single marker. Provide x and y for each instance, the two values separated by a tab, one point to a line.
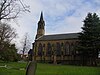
67	48
43	49
53	49
62	48
44	45
40	49
58	48
62	44
49	49
72	48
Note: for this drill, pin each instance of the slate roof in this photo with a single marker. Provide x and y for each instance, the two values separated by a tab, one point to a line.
58	37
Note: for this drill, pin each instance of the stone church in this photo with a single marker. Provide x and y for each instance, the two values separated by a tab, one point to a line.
55	48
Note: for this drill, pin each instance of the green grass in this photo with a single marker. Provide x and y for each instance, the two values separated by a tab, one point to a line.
13	68
49	69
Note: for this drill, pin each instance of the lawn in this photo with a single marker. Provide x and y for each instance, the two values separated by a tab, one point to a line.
13	68
48	69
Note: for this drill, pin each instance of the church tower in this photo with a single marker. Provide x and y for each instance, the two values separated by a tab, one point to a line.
41	27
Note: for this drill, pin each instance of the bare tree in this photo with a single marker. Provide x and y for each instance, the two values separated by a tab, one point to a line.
26	44
10	9
7	34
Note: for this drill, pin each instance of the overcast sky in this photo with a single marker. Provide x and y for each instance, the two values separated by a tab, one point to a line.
60	16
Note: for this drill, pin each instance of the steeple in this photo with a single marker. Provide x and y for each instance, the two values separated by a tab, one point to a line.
41	27
41	17
41	22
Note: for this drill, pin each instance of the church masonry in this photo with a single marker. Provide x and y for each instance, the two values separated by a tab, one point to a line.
56	48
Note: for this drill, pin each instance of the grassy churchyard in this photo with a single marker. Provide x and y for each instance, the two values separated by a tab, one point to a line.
14	68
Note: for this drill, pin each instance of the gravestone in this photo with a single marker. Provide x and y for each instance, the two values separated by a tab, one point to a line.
31	68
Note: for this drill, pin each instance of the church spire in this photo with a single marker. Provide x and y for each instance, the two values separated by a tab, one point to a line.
41	27
41	17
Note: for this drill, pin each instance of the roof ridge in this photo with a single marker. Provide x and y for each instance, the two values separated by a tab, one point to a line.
60	34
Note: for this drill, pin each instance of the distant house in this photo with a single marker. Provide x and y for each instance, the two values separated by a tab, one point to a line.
24	57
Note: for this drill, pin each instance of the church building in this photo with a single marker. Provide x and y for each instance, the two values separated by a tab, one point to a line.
55	48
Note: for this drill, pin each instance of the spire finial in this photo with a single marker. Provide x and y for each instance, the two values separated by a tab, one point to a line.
41	17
